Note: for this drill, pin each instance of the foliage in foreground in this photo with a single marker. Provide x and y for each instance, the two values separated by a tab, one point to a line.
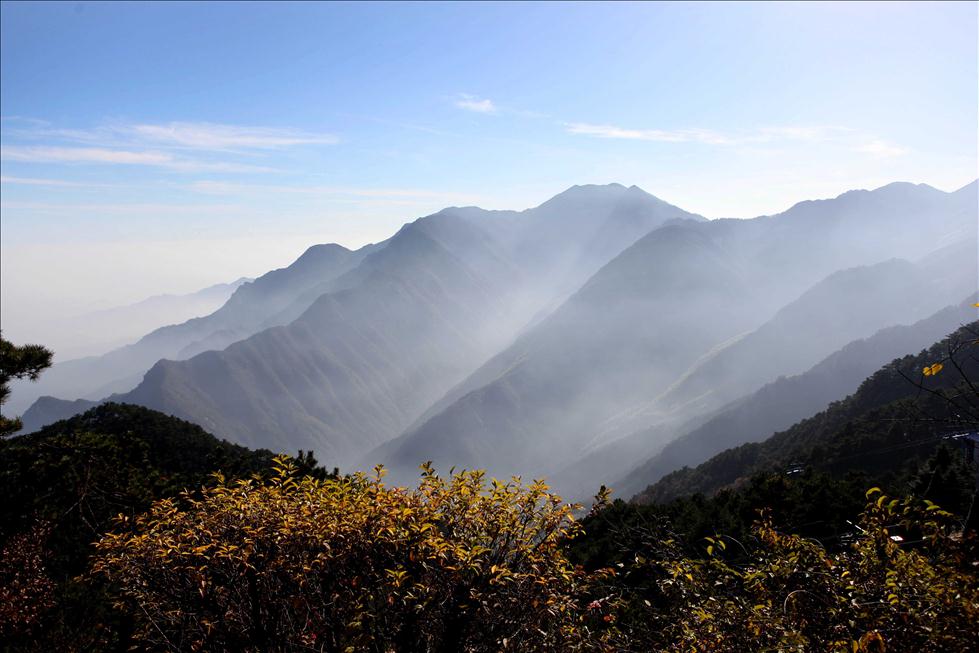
63	486
458	565
908	582
349	564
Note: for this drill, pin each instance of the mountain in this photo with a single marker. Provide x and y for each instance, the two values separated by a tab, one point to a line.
391	335
252	307
48	410
565	373
686	301
783	402
887	421
96	332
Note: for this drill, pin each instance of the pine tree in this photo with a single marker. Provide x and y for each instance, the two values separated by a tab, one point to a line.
24	362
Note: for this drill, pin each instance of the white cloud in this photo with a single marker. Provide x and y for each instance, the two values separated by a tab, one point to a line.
45	154
659	135
709	136
100	155
33	181
178	146
128	209
210	136
405	196
473	103
881	149
206	136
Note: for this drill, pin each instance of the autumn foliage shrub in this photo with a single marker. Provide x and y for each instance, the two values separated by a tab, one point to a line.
348	564
26	588
909	582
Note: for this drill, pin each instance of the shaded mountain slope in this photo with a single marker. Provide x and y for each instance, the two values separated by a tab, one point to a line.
393	334
781	403
650	314
357	365
245	312
404	326
847	305
886	420
541	389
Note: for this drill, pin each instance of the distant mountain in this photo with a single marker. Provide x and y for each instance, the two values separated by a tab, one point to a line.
96	332
92	334
48	410
785	401
253	306
886	422
675	313
846	305
388	337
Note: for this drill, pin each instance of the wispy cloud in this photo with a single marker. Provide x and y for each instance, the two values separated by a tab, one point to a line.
216	137
476	104
659	135
100	155
55	183
207	136
334	193
164	209
706	136
881	149
45	154
178	146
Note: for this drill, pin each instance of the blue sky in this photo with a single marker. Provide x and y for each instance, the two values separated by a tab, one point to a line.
161	147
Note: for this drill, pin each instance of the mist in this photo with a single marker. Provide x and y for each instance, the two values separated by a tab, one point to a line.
592	330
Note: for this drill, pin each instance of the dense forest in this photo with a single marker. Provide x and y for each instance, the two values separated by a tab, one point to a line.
127	529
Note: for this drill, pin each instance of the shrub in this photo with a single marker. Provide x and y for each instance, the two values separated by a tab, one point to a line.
348	564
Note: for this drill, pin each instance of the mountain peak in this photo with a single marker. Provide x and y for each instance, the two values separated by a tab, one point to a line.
598	193
319	250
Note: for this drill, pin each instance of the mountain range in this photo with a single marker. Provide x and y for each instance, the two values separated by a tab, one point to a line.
575	340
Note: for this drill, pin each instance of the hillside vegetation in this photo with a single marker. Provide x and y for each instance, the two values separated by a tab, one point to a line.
898	415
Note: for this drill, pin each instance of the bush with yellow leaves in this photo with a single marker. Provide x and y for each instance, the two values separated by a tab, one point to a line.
907	583
348	564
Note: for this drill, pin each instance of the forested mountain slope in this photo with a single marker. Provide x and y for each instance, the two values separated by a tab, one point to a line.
783	402
888	420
